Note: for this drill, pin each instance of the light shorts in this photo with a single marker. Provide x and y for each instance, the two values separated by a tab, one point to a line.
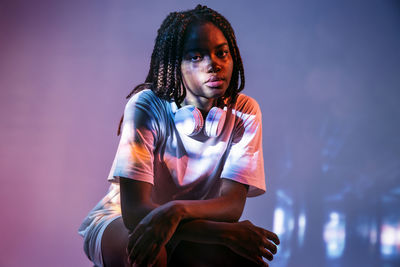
94	225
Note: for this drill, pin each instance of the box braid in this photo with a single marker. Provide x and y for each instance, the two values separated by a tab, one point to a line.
164	77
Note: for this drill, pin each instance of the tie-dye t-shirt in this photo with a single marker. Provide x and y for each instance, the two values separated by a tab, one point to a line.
152	150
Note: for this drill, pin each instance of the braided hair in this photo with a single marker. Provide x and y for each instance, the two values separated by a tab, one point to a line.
165	77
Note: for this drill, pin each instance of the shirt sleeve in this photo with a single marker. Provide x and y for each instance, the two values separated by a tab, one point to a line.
135	153
245	163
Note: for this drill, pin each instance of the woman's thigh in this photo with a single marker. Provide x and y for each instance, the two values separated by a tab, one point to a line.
113	244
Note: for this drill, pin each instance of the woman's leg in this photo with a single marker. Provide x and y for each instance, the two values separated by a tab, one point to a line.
114	243
202	255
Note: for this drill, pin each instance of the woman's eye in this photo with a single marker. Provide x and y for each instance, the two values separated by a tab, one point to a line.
195	58
222	53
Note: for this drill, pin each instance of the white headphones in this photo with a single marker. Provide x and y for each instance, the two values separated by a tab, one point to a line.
189	121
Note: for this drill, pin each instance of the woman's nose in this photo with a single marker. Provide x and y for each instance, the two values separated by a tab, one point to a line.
212	64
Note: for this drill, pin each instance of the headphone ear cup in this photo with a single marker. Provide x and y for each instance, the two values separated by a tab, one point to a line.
188	120
215	122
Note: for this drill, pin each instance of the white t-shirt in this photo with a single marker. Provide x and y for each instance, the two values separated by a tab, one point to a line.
152	150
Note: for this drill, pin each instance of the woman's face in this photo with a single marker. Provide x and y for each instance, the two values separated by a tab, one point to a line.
206	64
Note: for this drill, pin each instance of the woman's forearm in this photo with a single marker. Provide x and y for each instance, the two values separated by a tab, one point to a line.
202	231
227	207
219	209
243	238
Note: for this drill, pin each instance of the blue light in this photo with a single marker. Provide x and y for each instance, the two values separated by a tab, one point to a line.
334	235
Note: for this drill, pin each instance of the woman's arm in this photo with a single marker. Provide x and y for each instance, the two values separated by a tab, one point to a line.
135	201
152	226
244	238
228	206
157	227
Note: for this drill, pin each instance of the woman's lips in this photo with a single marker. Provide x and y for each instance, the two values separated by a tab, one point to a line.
216	83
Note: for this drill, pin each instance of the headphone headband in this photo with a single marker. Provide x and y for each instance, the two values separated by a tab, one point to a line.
188	120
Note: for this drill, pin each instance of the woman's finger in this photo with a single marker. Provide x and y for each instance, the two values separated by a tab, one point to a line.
135	251
261	262
146	248
266	254
271	236
155	250
135	235
270	246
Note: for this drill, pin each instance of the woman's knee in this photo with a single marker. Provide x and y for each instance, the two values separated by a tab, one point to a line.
114	243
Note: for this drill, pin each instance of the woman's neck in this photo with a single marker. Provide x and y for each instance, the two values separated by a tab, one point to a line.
202	103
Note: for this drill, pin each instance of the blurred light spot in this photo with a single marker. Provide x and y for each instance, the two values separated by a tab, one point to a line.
398	237
284	197
334	235
363	229
388	199
291	224
390	239
279	219
325	167
302	228
396	190
373	236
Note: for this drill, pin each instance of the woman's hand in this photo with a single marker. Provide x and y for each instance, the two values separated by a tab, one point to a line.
252	242
152	233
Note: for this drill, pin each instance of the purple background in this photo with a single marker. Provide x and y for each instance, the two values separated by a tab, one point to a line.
325	73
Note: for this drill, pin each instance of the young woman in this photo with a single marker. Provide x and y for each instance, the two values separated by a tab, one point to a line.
189	155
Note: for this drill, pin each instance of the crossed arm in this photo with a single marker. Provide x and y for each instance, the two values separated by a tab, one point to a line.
204	221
